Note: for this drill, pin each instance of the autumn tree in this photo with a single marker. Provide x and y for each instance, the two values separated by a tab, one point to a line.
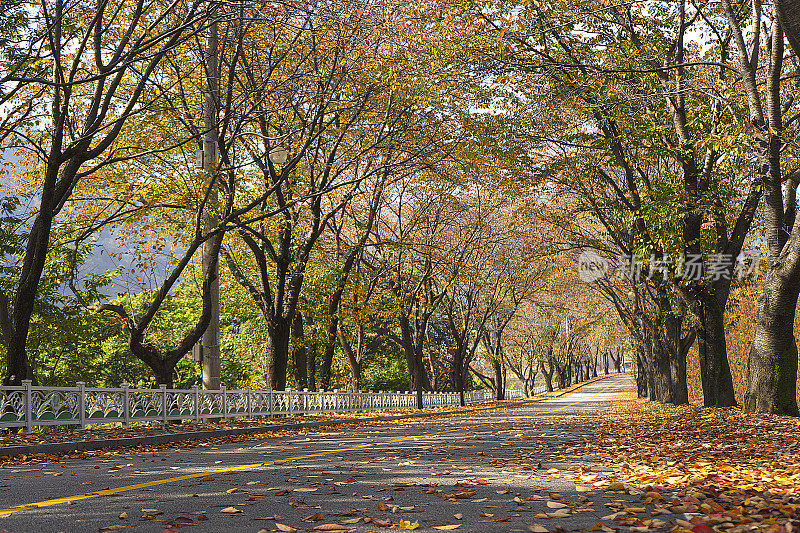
99	71
344	119
772	365
159	208
680	195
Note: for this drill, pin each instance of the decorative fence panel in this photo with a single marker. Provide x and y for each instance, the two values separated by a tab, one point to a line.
30	406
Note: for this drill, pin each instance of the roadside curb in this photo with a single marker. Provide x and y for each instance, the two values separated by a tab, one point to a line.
166	438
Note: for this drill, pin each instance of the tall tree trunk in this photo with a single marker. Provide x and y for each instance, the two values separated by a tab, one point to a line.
311	366
677	348
458	382
459	365
299	352
772	365
641	373
330	347
411	343
715	372
790	20
530	383
278	353
661	390
561	373
18	365
548	376
499	379
353	359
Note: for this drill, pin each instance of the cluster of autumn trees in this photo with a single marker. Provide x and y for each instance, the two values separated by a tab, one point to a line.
445	163
676	119
387	233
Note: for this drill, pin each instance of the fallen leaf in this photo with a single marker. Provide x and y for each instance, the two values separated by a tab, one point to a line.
447	527
538	528
316	517
230	510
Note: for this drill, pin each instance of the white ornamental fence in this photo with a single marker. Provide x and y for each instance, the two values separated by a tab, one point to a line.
29	406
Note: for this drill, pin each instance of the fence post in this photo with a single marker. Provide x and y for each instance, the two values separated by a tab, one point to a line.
249	408
224	403
28	408
289	400
270	403
81	403
196	393
126	400
163	388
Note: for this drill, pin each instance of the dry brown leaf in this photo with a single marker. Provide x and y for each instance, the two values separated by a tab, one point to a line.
316	517
331	527
538	528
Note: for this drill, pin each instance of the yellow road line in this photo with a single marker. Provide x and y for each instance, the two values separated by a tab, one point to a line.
107	492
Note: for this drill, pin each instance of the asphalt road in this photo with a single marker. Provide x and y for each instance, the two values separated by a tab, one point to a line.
485	471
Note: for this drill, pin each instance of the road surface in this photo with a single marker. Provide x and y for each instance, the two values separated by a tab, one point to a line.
483	471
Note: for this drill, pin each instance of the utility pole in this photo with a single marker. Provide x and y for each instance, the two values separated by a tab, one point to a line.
211	353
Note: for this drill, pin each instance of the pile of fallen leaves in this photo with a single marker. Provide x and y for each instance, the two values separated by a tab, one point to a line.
719	468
